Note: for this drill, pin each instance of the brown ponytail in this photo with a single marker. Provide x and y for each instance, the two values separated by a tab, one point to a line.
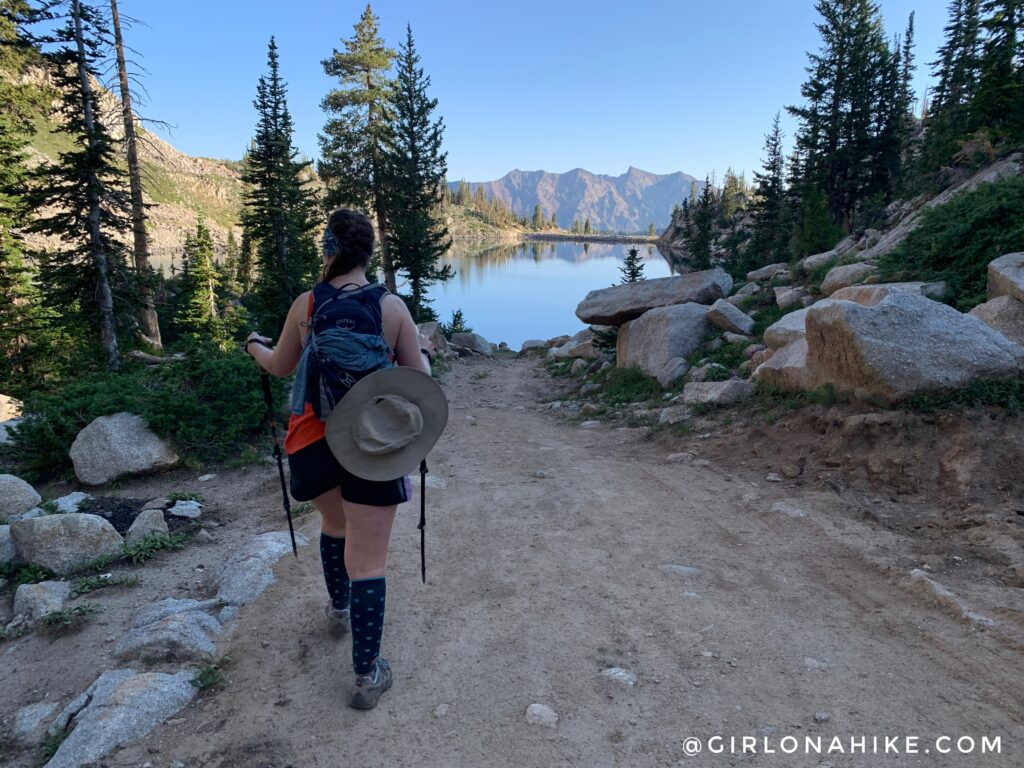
353	232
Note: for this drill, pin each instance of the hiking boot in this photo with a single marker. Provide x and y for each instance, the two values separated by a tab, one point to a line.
370	687
338	620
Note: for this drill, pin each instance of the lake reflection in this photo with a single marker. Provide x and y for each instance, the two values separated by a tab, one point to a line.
530	290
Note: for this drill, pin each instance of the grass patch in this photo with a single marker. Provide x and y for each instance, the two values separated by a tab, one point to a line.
304	508
89	584
144	550
16	575
629	385
184	496
956	241
210	675
67	619
51	743
1008	395
560	369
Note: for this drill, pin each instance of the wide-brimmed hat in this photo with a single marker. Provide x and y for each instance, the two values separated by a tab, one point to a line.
387	423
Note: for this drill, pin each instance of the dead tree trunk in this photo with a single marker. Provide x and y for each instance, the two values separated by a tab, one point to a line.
147	312
97	251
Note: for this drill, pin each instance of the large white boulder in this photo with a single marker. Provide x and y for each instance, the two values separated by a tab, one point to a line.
116	445
16	496
149	522
791	327
620	303
873	293
9	408
65	543
1005	314
768	272
904	345
473	342
579	346
786	297
730	318
432	331
661	336
846	275
1006	276
788	369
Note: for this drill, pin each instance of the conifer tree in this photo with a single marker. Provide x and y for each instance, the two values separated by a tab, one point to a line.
699	233
23	323
354	137
88	285
416	167
769	242
538	217
280	211
652	230
632	268
576	228
997	103
586	226
196	314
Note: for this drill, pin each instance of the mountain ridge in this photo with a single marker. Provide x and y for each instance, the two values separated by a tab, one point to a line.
629	202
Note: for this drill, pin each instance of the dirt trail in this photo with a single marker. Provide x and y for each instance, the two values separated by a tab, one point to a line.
544	569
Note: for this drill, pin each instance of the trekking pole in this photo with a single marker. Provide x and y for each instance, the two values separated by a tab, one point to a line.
423	520
268	398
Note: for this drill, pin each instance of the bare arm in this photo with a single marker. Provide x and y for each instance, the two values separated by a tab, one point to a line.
282	359
402	334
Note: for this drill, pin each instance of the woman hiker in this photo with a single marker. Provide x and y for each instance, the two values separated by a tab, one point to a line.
338	334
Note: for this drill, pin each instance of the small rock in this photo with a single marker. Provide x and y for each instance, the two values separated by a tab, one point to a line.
816	664
181	637
773	478
788	509
68	505
16	496
541	714
32	514
822	717
674	414
718	392
148	522
792	471
579	367
701	463
678	458
620	675
158	503
544	474
767	730
189	509
33	601
206	478
680	570
436	482
590	424
440	710
30	722
204	537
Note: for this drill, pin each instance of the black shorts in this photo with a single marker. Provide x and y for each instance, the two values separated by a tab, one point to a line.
314	471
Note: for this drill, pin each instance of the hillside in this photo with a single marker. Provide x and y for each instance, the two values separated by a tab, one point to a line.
178	186
627	203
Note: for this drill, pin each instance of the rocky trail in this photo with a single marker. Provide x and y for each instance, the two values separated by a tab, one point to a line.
557	554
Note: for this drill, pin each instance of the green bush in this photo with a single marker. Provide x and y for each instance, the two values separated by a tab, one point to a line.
630	385
956	241
209	407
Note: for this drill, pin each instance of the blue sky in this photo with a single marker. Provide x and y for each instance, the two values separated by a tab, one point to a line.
663	85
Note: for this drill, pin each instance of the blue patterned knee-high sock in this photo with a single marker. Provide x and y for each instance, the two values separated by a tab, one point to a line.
367	622
332	554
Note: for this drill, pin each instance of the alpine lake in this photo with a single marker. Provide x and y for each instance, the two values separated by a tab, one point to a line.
530	290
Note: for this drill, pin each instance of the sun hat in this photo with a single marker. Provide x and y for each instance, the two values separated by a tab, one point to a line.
387	423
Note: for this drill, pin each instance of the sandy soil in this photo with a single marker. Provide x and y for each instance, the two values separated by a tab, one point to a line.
545	558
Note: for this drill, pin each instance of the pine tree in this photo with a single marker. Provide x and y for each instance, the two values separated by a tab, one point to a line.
995	107
148	320
228	272
354	138
576	228
88	285
652	231
280	210
699	232
586	226
769	242
416	168
957	71
632	268
24	332
196	314
537	222
463	197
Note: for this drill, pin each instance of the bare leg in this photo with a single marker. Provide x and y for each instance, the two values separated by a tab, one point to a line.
332	512
368	534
